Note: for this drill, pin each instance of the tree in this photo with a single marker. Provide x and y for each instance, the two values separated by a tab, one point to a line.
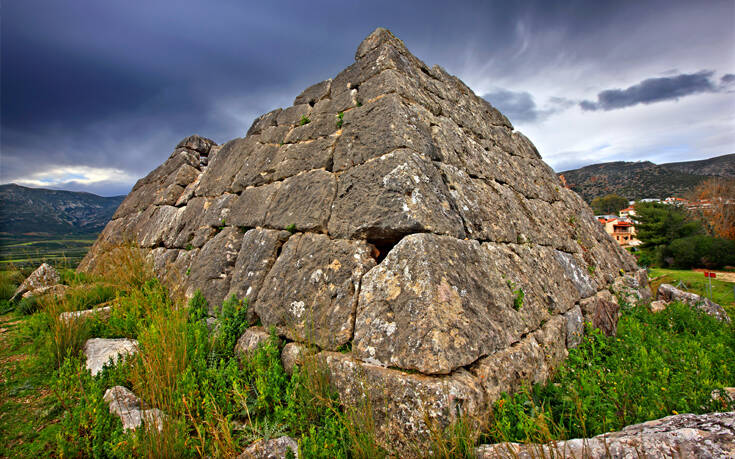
659	224
610	204
720	212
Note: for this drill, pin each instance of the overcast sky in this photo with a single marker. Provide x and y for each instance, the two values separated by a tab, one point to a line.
95	94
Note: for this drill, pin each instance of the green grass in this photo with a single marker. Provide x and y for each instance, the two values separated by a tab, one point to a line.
30	251
657	365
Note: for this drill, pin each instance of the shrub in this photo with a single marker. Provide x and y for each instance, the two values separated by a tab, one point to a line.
702	251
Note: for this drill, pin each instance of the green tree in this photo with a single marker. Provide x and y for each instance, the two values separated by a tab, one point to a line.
610	204
658	225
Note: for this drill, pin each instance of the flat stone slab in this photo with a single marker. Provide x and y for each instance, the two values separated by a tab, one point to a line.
100	313
99	351
131	410
275	448
684	435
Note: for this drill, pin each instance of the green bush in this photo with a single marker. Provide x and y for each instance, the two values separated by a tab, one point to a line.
28	306
702	251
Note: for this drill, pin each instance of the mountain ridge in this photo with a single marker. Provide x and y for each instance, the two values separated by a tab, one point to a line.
43	211
645	179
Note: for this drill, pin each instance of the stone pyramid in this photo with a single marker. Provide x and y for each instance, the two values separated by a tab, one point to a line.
398	223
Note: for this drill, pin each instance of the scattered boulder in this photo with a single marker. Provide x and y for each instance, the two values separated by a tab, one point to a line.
670	293
275	448
251	339
100	351
658	306
633	287
43	277
292	355
727	395
57	290
131	410
683	435
101	313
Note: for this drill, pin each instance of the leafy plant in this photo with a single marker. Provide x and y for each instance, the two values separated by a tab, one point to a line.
518	299
340	120
304	120
291	228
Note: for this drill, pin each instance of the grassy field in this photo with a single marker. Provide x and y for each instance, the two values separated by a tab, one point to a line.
217	402
695	282
31	251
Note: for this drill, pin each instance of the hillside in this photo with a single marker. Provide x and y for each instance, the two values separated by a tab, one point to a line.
44	212
637	180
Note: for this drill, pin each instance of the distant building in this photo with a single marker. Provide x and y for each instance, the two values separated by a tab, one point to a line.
627	212
621	229
650	200
675	201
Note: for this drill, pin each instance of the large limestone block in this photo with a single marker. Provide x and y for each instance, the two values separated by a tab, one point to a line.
434	304
257	166
400	404
304	201
530	360
311	291
225	165
397	194
380	127
704	436
274	448
602	311
211	268
258	252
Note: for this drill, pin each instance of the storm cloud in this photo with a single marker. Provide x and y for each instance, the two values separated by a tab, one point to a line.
96	94
653	90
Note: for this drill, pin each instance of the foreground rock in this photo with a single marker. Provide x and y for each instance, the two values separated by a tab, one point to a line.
40	280
397	222
275	448
670	293
131	410
100	313
251	339
100	351
703	436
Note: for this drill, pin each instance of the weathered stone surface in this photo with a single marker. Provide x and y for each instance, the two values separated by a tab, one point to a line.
658	305
397	194
304	201
380	127
602	311
100	351
314	93
131	410
292	355
258	252
530	360
201	145
44	276
275	448
633	287
251	339
56	290
433	304
311	291
264	121
100	313
702	436
400	404
575	326
211	268
670	293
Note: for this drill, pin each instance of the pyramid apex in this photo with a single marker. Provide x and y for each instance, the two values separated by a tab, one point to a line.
377	38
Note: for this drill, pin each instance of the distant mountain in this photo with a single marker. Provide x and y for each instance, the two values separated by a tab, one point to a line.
638	180
39	211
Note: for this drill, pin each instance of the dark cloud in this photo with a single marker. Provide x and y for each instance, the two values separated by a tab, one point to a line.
519	106
115	84
653	90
